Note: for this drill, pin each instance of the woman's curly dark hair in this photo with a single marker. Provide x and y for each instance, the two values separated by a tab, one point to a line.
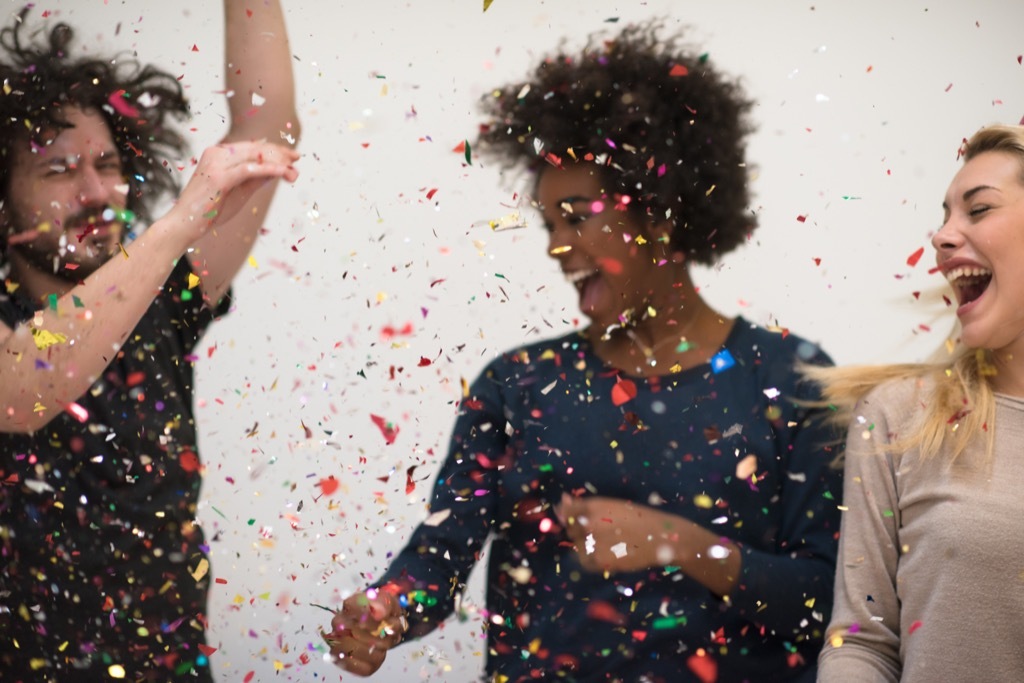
667	128
136	101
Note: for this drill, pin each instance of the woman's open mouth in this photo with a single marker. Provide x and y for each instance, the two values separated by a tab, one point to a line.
969	283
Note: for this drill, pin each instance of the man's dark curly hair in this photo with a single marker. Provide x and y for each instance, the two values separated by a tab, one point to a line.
667	128
40	79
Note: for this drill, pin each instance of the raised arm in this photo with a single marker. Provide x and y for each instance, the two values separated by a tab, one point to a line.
261	105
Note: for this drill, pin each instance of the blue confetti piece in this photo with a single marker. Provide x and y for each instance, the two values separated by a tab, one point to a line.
721	361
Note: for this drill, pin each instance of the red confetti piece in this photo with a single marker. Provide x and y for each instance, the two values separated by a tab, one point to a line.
387	429
424	362
679	70
916	625
817	261
623	392
915	257
189	461
610	265
703	667
206	649
605	611
329	485
431	193
195	48
249	676
135	378
410	485
121	105
77	412
387	332
802	219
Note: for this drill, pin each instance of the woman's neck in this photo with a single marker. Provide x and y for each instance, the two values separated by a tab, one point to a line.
672	333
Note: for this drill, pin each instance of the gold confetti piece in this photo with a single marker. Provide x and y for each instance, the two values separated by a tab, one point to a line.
45	339
39	407
116	671
487	4
201	569
703	501
712	189
252	262
193	280
560	250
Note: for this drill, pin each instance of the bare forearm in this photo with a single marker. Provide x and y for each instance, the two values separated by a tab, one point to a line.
258	71
706	557
50	361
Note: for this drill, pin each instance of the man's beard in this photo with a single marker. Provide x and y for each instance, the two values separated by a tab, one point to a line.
58	259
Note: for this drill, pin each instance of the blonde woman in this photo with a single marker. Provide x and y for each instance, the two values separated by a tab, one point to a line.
930	581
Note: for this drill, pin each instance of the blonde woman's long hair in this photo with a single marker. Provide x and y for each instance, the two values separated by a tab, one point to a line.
961	406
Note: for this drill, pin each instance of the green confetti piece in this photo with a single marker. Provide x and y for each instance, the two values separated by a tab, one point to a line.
663	623
888	513
469	157
546	467
211	214
251	521
52	298
78	302
186	295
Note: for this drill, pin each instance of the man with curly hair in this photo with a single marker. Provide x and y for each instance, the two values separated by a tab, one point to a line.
105	574
658	493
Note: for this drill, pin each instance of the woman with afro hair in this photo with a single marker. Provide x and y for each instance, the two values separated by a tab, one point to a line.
658	495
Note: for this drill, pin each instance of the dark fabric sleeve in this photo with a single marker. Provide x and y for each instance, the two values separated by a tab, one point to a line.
190	314
789	589
435	564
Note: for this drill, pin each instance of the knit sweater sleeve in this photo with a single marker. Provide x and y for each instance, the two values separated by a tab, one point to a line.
863	638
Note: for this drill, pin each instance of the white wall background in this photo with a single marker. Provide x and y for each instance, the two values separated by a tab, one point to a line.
862	106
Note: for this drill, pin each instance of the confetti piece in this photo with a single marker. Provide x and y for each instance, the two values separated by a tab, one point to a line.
608	265
116	671
410	485
45	339
623	392
437	518
722	361
387	429
703	501
201	569
913	627
189	461
605	611
329	485
487	4
703	667
679	70
915	257
121	106
193	280
77	412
